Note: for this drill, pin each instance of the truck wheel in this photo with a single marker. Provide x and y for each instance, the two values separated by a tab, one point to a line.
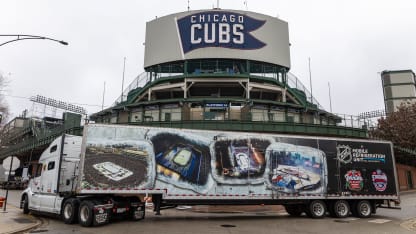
363	209
316	209
86	213
294	210
70	211
340	209
25	204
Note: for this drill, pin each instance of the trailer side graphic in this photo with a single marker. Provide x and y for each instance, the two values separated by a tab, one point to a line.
203	164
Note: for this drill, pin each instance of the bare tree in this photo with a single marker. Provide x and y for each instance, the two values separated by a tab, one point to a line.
399	126
4	108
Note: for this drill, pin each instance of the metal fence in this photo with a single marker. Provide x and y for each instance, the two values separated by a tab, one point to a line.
144	78
294	82
38	136
140	81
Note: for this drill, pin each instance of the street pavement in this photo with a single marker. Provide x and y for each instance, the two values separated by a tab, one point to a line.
12	220
220	219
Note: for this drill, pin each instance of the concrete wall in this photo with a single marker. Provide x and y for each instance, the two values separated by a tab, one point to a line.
123	117
398	77
399	87
400	91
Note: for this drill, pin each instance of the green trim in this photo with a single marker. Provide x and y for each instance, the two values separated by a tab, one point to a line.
144	89
134	94
156	82
34	143
406	150
263	127
182	77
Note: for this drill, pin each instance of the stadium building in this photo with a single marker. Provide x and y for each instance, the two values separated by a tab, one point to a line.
206	69
399	87
222	69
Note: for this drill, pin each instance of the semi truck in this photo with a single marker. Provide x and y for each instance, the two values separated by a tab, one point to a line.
106	173
18	178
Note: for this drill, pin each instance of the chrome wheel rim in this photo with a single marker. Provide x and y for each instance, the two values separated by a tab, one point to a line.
365	209
318	209
68	211
84	213
342	209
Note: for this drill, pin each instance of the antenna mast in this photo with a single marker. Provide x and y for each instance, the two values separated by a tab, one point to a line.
310	78
330	101
102	106
122	82
188	6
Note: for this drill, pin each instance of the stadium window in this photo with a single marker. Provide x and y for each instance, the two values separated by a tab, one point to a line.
167	116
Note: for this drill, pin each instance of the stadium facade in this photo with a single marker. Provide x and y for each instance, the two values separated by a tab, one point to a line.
222	69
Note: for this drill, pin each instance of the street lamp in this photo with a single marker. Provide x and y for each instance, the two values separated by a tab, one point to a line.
28	37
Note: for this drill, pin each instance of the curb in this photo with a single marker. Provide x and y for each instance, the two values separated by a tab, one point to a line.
37	223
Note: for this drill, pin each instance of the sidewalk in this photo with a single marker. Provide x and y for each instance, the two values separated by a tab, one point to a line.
14	221
408	191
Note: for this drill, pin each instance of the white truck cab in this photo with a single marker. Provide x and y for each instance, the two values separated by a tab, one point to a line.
45	191
53	188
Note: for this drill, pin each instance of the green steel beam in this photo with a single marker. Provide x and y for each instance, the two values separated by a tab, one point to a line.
266	127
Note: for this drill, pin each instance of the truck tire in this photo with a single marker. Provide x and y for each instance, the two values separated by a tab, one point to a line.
86	213
340	209
294	210
70	211
363	209
25	204
316	209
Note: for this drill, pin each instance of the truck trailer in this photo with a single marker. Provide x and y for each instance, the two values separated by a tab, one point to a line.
107	172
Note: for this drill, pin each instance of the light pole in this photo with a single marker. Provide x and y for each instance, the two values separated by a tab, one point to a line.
21	37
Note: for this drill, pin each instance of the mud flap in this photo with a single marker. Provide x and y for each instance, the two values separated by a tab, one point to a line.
137	211
101	215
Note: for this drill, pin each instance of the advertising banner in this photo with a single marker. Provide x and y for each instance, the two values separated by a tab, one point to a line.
207	163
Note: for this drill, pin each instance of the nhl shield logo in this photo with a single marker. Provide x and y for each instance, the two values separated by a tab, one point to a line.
379	180
344	154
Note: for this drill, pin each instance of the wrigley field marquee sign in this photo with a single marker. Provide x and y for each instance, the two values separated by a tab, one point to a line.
219	29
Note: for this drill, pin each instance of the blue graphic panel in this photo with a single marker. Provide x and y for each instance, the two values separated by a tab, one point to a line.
219	29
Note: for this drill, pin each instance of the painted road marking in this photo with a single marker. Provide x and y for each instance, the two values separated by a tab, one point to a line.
379	221
409	224
350	219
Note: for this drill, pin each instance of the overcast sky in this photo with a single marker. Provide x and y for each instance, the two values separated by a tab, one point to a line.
349	43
